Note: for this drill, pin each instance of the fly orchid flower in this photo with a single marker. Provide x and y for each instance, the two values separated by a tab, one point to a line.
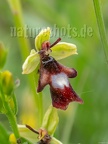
51	71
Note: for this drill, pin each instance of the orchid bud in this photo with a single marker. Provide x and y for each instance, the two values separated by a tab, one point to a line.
7	82
7	85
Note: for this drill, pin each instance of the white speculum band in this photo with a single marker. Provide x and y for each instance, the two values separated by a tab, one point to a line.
60	80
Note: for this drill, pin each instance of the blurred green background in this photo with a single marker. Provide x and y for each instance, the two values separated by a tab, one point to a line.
81	124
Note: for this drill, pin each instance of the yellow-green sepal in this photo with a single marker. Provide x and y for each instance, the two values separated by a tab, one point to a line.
27	134
31	62
43	36
50	120
63	50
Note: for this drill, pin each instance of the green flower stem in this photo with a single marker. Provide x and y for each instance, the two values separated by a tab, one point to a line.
40	108
25	50
101	27
15	104
18	19
39	98
11	117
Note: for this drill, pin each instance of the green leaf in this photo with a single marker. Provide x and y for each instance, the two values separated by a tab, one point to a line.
50	120
63	50
31	62
43	36
4	138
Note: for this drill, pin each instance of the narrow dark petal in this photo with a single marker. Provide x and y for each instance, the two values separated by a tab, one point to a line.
70	72
44	79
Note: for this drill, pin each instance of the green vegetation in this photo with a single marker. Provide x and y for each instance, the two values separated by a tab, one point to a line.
83	23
